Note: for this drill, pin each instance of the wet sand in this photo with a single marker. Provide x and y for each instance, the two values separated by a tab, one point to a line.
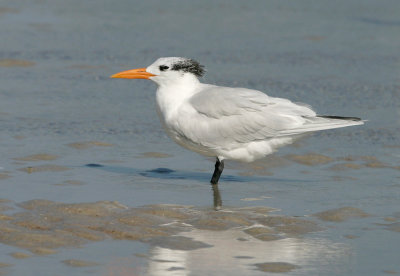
45	227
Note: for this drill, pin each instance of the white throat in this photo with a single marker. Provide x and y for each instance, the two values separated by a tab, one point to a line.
171	93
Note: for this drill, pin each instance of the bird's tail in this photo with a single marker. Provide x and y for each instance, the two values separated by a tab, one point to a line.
354	119
323	122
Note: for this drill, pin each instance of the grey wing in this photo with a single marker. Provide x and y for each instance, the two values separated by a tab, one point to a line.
239	115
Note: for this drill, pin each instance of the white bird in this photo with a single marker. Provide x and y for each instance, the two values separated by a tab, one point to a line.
224	122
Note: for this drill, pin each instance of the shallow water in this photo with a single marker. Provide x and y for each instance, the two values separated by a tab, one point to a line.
71	135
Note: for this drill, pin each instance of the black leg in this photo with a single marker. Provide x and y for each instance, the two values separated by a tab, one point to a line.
219	167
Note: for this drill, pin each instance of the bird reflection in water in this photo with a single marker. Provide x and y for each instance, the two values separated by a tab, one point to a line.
217	197
235	253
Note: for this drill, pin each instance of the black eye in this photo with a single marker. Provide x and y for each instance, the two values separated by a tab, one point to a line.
163	67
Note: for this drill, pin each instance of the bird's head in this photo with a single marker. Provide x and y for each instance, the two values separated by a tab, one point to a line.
166	70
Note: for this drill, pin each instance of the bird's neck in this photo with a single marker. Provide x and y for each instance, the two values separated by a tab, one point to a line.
171	94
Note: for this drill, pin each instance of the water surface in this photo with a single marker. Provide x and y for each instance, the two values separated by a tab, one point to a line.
71	135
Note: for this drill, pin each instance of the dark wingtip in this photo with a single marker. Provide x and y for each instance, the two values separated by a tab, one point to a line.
340	118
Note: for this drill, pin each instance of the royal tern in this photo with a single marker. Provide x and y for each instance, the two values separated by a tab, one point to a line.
224	122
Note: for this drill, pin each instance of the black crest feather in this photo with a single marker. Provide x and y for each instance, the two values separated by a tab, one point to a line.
190	66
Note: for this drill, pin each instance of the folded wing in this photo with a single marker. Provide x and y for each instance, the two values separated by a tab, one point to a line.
231	116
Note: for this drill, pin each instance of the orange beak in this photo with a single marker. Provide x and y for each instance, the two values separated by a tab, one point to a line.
139	73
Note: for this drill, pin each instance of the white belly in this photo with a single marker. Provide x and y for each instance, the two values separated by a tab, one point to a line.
188	138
